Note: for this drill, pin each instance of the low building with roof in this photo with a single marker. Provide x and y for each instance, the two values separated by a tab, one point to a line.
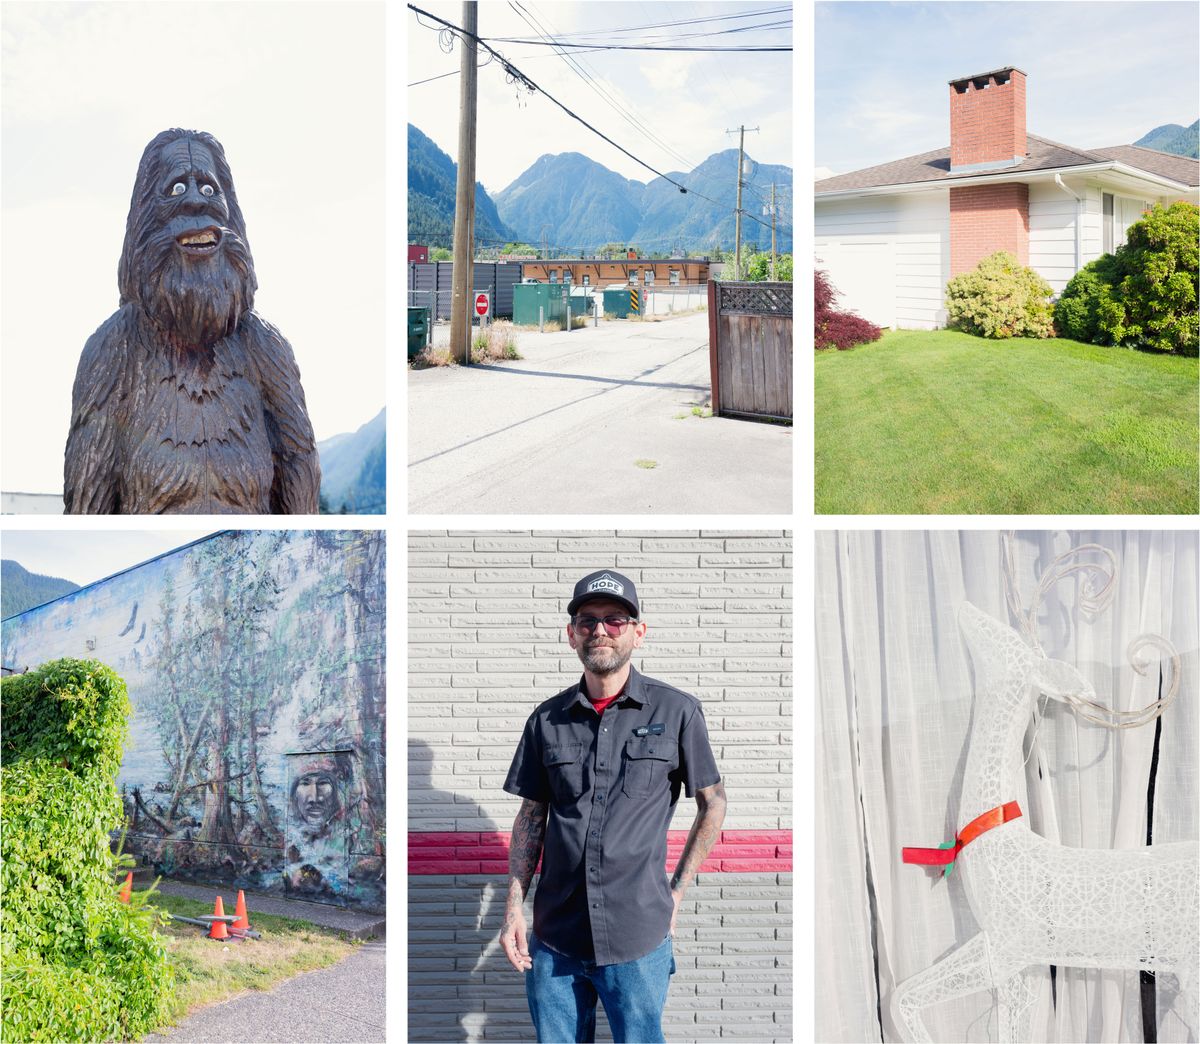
892	235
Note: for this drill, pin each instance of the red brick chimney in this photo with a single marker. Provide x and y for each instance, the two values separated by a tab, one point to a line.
987	120
987	134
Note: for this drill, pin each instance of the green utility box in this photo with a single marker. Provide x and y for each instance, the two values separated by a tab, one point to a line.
616	302
529	297
418	330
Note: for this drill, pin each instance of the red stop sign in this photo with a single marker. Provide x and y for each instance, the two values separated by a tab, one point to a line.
481	304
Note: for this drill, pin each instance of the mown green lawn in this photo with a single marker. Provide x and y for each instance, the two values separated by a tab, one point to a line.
945	423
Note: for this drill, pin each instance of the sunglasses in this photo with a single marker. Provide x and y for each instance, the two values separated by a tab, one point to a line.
614	625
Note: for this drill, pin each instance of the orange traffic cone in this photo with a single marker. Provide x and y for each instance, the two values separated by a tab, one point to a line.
243	919
126	894
219	930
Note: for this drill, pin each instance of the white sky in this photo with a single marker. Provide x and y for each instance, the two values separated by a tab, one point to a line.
1097	73
686	99
294	92
85	557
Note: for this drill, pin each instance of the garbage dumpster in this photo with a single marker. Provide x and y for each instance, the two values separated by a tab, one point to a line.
529	297
616	302
418	330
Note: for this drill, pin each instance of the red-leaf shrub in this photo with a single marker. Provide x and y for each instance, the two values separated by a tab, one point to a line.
835	329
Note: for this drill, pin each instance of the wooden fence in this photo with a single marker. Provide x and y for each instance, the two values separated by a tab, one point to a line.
750	349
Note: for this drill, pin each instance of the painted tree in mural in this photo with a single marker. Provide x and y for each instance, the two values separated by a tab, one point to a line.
343	613
218	690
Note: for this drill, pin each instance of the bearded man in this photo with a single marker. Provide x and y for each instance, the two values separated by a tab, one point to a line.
600	768
186	400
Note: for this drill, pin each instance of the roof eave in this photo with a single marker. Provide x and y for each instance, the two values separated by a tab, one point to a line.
1044	173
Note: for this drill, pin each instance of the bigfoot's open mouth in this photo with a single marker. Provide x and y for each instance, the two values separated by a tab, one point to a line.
201	241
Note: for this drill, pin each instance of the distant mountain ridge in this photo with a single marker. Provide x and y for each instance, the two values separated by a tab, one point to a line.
21	590
354	469
432	191
1171	137
587	205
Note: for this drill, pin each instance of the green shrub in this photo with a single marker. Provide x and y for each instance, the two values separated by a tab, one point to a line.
1144	295
1000	298
77	964
1088	309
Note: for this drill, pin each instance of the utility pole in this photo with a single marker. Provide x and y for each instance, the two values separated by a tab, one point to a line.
464	209
772	231
737	215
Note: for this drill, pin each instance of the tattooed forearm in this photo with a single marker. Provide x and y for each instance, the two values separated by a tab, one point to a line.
706	828
525	848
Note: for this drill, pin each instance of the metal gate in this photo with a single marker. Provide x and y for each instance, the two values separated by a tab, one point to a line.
750	349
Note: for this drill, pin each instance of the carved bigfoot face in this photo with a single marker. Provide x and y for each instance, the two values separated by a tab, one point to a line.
186	259
314	796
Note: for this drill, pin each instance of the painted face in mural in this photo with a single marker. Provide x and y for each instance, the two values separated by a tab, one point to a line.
314	796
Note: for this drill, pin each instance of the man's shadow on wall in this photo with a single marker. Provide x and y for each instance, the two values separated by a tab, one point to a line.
459	979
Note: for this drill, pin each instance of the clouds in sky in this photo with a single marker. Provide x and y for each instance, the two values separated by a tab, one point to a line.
1098	73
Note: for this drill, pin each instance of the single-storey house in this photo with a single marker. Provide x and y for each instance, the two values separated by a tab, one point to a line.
891	236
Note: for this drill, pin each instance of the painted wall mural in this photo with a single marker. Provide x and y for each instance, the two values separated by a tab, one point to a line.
255	665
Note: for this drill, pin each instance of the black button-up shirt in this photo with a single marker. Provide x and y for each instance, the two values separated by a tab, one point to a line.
612	782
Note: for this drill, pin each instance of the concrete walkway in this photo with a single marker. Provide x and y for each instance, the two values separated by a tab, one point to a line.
572	427
345	1002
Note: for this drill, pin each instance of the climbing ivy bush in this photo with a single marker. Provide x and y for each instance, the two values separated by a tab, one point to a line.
1000	298
1144	295
77	963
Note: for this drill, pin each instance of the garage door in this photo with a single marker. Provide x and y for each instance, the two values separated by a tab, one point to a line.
864	274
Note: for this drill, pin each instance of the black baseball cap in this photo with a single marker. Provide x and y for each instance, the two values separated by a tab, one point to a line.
605	583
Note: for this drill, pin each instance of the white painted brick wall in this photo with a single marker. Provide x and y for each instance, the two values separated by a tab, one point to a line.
487	612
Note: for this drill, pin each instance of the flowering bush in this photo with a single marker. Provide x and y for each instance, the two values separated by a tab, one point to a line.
835	329
1000	298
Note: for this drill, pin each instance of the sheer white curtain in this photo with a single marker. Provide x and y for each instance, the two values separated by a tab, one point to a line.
894	705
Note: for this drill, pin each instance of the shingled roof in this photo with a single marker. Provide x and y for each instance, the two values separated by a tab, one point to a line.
1043	154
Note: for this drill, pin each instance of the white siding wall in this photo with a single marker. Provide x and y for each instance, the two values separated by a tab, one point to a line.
908	239
1052	234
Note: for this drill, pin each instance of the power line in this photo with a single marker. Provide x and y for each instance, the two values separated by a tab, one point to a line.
520	77
687	21
647	41
593	82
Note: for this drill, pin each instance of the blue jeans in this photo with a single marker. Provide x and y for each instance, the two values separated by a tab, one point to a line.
562	994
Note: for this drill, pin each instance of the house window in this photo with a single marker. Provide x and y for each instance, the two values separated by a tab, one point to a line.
587	279
567	276
1107	220
633	277
674	277
648	276
554	275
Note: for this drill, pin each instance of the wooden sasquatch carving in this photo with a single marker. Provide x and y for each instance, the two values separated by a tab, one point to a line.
186	400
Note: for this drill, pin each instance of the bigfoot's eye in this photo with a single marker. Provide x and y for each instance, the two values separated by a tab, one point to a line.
178	189
206	190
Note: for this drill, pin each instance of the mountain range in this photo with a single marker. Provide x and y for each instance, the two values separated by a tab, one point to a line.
354	469
432	190
576	205
1171	137
587	205
20	589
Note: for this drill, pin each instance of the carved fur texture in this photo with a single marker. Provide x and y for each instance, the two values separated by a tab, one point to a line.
186	400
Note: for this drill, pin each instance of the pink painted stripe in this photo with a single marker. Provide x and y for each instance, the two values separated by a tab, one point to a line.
472	852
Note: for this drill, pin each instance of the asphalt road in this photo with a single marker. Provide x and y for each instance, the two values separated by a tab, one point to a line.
344	1002
573	427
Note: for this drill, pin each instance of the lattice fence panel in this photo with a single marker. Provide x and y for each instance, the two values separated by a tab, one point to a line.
755	298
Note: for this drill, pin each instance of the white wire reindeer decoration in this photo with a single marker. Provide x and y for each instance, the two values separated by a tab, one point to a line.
1036	902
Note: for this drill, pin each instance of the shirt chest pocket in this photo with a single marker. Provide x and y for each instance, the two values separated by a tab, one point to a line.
648	761
564	770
